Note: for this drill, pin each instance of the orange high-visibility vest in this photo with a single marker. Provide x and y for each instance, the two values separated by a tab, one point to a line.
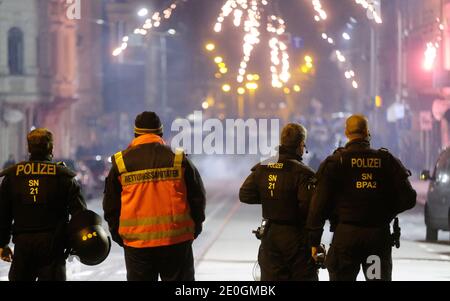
154	211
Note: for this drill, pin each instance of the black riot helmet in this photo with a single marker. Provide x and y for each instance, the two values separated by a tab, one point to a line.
87	238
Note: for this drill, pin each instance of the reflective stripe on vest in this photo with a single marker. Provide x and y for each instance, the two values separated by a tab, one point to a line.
174	236
154	211
178	161
180	218
120	163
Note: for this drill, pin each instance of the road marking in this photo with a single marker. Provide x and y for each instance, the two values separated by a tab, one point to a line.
219	232
445	257
229	261
406	259
429	250
211	215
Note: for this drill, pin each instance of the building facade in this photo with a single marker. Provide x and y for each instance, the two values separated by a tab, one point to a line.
50	74
20	85
423	72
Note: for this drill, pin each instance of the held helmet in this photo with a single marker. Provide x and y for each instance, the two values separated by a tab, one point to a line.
87	238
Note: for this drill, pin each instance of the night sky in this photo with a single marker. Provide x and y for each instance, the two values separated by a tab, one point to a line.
195	20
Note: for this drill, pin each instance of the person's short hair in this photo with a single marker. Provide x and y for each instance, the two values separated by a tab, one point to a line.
293	134
40	142
357	127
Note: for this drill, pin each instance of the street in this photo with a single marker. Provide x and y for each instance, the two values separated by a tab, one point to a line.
232	83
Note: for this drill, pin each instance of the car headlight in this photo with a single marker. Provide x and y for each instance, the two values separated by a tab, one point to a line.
443	178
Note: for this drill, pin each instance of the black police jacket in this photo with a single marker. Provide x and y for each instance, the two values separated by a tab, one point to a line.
37	196
360	186
284	188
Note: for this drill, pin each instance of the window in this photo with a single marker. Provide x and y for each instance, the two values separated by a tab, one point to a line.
15	51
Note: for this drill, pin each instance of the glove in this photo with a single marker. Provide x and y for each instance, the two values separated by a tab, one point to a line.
198	230
6	254
319	254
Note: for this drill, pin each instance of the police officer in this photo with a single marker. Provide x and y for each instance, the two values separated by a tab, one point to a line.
360	190
154	204
36	198
283	186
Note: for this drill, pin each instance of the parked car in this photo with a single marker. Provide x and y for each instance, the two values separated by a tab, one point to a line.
437	206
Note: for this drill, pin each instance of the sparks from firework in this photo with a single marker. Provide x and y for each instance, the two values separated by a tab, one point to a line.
153	22
373	9
278	54
247	14
432	47
250	9
321	16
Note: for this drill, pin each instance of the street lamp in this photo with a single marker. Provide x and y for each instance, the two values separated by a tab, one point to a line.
251	86
143	12
226	88
210	47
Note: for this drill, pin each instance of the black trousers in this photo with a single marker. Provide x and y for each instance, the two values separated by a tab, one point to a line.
285	256
36	257
354	247
171	263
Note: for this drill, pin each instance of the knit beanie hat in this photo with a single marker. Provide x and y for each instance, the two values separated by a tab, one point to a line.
148	123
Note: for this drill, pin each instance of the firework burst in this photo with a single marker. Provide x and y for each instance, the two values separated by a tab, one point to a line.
247	15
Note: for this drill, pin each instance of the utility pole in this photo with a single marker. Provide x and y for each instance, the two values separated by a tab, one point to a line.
399	93
163	42
374	70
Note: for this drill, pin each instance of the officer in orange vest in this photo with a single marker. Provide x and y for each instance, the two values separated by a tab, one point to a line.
154	204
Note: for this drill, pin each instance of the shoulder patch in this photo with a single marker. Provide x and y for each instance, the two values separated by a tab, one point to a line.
338	150
330	162
64	170
305	168
8	170
61	164
255	167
